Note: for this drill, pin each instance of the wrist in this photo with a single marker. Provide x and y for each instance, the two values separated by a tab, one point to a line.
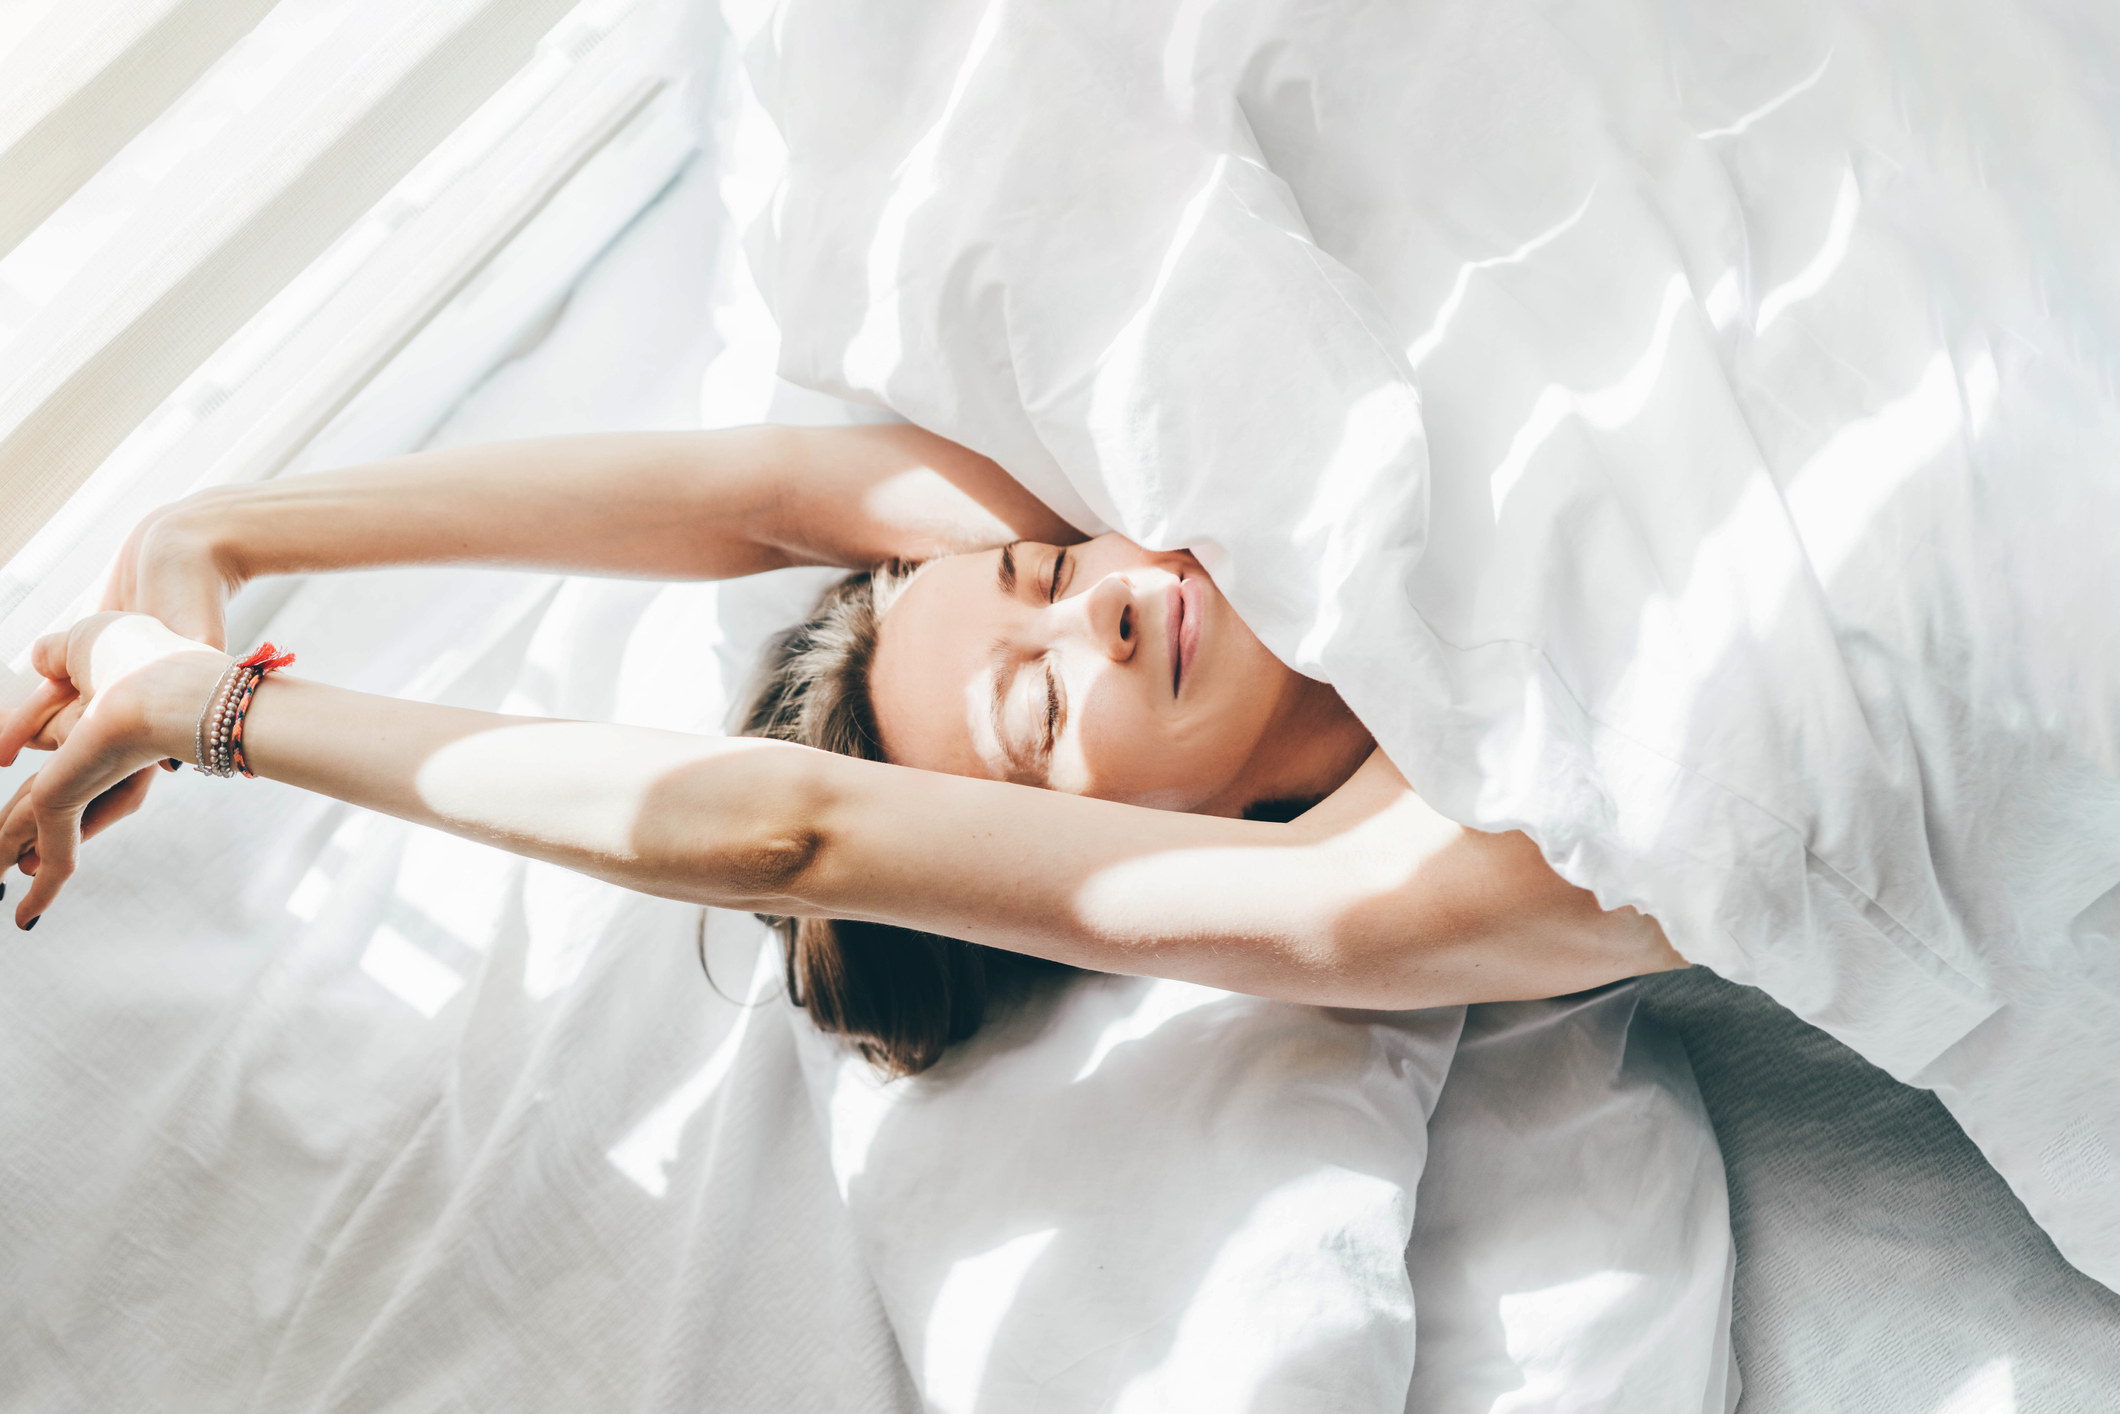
177	692
211	528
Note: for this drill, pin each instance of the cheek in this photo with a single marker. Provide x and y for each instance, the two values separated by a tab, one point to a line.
1143	758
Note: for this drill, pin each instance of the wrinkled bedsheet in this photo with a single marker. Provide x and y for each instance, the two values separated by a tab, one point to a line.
1686	433
308	1109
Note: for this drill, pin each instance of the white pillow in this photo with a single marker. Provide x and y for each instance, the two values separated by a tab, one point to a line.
1572	1250
1134	1194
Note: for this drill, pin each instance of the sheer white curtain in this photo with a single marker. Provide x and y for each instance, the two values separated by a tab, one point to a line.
221	220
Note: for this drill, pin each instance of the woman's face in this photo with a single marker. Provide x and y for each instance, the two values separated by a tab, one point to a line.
1101	669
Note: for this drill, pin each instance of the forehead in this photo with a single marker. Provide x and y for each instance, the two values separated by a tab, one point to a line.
932	677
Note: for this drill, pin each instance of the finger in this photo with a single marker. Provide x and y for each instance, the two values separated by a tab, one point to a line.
58	727
58	842
118	587
116	803
48	655
30	718
55	805
18	826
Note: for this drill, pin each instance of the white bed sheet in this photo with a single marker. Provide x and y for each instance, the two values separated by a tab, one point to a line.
307	1109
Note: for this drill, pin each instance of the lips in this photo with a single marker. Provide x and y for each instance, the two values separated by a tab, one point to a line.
1185	615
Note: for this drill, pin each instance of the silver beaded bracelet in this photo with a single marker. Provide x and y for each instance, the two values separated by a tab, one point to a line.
217	743
216	712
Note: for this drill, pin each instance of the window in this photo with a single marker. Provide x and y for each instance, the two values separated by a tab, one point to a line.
221	220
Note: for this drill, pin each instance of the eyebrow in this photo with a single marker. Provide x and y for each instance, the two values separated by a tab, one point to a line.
1005	572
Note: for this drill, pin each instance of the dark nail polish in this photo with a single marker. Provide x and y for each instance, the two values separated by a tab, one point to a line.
3	891
31	924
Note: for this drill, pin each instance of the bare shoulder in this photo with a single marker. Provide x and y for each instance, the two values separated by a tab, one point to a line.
857	496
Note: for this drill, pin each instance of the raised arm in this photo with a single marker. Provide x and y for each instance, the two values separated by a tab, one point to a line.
1371	900
662	505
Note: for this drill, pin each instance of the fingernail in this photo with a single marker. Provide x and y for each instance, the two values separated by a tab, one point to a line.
3	891
31	924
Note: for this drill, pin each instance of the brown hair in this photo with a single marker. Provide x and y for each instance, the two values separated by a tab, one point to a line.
902	996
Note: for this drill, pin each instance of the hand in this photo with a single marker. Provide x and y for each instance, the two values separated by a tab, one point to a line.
119	692
172	567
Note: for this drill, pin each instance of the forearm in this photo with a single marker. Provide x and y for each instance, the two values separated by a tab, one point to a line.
666	505
705	819
1367	902
1373	900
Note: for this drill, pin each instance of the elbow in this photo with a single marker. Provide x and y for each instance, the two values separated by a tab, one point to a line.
769	873
773	863
742	828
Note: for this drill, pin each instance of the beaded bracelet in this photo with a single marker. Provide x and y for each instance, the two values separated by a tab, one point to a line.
218	742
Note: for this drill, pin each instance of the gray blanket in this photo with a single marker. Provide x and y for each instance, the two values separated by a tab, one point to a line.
1882	1265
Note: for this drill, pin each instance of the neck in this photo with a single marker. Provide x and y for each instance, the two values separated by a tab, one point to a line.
1312	746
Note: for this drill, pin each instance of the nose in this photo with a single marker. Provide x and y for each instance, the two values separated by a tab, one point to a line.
1112	618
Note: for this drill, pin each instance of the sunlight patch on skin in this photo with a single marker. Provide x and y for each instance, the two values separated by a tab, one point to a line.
909	499
986	743
496	779
1068	767
1369	858
130	643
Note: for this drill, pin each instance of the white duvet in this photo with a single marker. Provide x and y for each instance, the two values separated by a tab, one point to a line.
1686	433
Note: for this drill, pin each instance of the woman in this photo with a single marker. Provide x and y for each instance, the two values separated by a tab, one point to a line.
1087	724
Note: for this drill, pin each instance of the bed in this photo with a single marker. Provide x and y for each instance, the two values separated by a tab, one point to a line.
315	1110
312	1110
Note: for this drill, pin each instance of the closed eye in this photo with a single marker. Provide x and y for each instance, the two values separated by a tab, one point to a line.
1052	708
1052	593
